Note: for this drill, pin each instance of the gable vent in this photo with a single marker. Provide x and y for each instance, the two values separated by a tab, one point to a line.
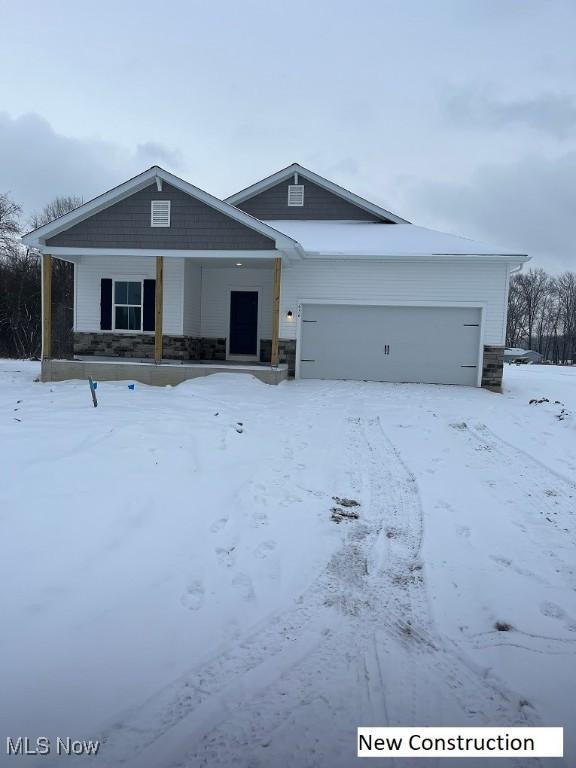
296	195
160	213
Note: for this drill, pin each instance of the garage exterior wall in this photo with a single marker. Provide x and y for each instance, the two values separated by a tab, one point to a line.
91	269
380	282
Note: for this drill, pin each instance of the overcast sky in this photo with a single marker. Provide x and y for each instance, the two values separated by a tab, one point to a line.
459	115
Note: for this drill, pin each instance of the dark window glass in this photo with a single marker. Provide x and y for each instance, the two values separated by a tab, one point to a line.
134	293
121	318
121	293
134	319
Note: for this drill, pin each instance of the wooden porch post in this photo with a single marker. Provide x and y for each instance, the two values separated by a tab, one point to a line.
276	310
159	308
46	306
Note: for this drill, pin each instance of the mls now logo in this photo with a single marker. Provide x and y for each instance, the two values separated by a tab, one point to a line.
23	745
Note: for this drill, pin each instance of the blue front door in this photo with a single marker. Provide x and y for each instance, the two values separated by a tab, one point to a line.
243	323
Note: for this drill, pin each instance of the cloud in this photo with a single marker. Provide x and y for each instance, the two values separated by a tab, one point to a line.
527	206
37	163
154	153
553	114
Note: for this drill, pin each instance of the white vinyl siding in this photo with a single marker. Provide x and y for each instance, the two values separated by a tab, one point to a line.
196	299
396	282
216	285
91	269
192	298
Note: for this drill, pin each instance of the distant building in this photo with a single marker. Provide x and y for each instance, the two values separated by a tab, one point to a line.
517	355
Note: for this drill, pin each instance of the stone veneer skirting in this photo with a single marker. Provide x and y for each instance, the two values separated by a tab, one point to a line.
141	346
286	353
492	367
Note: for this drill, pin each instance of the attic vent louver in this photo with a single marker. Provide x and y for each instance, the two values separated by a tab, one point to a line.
160	213
296	195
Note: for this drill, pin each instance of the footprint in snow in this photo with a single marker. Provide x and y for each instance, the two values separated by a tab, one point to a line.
226	556
217	525
259	519
193	597
552	610
243	584
264	549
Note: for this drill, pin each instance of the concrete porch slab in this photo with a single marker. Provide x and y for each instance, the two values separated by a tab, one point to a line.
155	374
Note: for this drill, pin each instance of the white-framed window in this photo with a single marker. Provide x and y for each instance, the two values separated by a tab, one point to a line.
296	195
160	213
127	309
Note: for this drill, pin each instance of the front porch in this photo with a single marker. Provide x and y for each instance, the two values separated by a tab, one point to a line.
168	372
164	320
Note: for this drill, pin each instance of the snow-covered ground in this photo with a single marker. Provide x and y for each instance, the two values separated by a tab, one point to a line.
172	579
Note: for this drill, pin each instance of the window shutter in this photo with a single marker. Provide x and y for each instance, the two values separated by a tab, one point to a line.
149	309
296	195
160	213
106	304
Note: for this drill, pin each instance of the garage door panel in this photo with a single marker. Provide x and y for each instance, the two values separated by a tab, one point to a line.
419	344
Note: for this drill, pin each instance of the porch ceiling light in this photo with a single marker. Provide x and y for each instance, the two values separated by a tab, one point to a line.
239	264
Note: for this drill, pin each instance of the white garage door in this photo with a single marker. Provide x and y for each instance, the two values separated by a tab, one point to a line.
437	345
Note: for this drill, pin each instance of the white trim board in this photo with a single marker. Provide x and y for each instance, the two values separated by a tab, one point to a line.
237	255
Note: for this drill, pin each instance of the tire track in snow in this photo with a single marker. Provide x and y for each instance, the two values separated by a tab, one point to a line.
548	497
374	624
147	733
482	698
357	647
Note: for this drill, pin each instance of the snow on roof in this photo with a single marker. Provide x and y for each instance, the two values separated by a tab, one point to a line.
518	352
354	238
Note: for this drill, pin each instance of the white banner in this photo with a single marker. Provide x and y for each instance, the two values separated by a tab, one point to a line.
460	742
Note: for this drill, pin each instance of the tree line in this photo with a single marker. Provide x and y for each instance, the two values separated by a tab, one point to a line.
20	284
542	314
541	307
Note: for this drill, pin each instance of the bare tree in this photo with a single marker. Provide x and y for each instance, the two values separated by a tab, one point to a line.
515	324
533	286
9	221
56	208
19	287
566	283
20	294
62	278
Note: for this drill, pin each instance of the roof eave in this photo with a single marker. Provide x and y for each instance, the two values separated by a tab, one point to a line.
422	256
37	237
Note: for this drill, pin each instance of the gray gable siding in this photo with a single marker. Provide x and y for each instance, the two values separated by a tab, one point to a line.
319	205
193	225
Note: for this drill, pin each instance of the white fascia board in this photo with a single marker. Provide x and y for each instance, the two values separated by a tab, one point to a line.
420	257
336	189
70	253
97	204
38	236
